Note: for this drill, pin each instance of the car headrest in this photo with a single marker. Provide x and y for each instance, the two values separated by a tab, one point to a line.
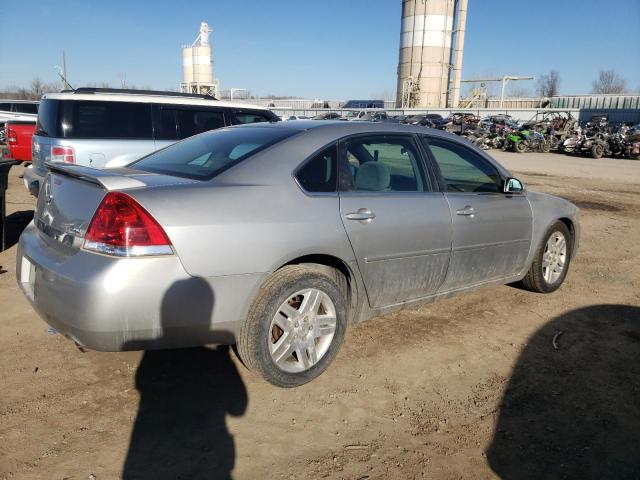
373	176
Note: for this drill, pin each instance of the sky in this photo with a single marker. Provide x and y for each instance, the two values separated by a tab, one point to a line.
329	49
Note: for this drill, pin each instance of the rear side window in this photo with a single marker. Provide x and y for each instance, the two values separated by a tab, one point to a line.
318	174
204	156
25	107
5	107
48	125
114	120
383	164
249	117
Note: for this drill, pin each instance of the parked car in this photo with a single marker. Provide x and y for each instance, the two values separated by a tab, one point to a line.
17	110
327	116
19	134
433	120
286	118
364	104
372	116
103	128
276	236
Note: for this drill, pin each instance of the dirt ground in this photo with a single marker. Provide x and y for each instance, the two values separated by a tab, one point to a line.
468	388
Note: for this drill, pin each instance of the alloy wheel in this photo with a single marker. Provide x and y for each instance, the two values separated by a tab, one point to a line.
554	257
302	330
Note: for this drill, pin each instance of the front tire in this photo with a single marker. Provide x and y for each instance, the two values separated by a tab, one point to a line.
295	325
551	261
521	147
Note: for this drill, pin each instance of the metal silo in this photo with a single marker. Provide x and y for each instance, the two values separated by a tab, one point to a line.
425	60
197	65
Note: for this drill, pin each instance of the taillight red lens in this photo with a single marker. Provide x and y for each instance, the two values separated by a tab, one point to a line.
62	154
122	227
12	137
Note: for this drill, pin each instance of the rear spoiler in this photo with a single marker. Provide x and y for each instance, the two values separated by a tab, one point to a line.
109	179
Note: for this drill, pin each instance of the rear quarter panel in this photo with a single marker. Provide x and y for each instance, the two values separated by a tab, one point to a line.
547	209
228	229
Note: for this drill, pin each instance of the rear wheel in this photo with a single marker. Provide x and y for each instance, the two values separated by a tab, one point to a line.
551	261
521	147
295	325
545	147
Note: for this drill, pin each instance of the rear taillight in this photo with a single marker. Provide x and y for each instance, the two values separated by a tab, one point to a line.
121	227
12	136
62	154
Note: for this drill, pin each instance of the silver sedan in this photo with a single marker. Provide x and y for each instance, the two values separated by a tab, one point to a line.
275	237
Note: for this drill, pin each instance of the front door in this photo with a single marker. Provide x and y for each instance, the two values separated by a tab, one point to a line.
491	230
400	229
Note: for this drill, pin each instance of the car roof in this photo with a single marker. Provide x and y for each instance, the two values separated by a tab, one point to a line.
13	100
176	99
342	128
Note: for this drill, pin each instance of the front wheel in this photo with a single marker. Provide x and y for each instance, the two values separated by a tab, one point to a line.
551	261
295	325
521	147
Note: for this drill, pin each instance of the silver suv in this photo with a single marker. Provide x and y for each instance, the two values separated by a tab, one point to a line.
103	128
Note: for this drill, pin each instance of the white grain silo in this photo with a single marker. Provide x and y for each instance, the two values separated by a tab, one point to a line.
427	63
197	65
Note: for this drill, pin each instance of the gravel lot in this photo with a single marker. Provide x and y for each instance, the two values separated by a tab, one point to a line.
466	388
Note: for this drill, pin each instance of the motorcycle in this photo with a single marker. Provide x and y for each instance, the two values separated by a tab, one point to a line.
526	140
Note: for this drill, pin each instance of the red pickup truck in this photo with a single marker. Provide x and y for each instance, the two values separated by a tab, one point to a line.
19	135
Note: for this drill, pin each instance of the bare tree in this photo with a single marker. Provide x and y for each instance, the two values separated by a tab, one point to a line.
609	81
549	84
36	89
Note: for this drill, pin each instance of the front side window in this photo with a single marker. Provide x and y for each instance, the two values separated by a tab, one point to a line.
318	174
192	122
248	117
202	157
383	164
464	170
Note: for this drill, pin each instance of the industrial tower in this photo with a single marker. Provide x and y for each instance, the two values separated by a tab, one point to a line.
197	64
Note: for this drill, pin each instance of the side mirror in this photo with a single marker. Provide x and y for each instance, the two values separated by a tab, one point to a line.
513	185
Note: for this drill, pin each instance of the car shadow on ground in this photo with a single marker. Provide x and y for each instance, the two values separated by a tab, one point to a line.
185	395
14	224
574	411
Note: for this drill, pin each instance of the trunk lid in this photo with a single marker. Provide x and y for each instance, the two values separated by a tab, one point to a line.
71	195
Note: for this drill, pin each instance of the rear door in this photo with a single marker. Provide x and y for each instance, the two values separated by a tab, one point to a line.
398	226
491	230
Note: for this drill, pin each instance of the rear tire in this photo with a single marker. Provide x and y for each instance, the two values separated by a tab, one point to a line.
521	147
542	277
281	338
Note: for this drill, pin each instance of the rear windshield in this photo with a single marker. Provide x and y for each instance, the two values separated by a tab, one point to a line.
204	156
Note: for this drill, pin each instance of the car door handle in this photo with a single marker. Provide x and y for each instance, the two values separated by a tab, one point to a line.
467	211
363	214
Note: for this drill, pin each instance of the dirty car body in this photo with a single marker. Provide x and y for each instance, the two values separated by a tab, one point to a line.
381	206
